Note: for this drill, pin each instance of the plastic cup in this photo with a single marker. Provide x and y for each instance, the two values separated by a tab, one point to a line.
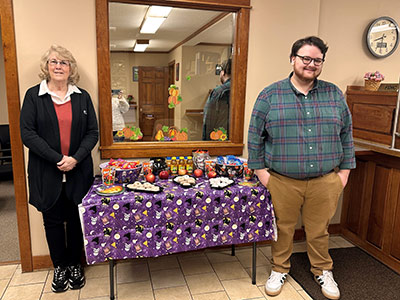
108	175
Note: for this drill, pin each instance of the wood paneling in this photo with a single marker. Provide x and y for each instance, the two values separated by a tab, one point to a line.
235	145
373	114
371	207
377	210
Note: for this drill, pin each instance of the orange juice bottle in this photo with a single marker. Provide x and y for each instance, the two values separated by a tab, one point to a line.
189	165
174	166
181	163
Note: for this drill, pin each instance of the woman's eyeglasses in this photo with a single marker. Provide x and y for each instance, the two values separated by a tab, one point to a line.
55	62
307	60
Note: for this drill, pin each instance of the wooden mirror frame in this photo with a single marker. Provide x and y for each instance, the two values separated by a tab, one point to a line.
234	146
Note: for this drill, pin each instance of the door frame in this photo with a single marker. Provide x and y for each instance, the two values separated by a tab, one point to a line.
17	149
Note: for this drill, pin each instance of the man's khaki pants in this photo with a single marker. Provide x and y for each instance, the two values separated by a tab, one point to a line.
316	199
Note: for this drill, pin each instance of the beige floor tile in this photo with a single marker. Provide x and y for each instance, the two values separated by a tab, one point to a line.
167	278
246	258
97	270
211	296
68	295
196	265
97	298
190	254
3	285
132	272
294	283
135	291
175	293
163	263
220	256
288	292
266	250
27	292
96	287
230	270
28	278
7	271
341	242
203	283
299	247
262	274
239	289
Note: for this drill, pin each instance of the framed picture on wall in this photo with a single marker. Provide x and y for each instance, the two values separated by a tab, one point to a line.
177	72
135	71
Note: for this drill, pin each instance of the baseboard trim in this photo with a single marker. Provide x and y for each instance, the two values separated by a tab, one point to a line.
41	262
44	261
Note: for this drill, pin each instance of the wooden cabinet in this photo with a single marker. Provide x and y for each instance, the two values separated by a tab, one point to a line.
371	206
373	114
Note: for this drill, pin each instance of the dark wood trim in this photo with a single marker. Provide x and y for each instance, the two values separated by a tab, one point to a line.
234	146
198	4
42	262
17	151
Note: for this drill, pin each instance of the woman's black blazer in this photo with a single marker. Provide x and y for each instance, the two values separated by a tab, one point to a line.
40	133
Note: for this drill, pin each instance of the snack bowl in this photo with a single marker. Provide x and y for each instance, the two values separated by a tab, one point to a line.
231	171
125	175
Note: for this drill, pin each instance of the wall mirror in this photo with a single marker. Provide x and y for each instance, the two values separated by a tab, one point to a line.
162	91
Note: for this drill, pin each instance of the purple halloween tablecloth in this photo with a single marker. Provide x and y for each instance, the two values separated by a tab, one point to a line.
134	224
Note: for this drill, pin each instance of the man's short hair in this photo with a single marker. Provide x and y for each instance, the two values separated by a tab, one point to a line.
226	66
312	41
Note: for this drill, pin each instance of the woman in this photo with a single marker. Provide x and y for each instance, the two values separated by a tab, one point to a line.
119	106
59	126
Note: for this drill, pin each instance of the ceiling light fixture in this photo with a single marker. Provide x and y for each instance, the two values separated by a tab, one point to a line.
155	16
140	45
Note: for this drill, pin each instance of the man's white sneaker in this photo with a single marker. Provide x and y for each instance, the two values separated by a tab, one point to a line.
328	285
275	282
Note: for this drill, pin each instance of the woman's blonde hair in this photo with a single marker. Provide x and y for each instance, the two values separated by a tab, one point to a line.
63	54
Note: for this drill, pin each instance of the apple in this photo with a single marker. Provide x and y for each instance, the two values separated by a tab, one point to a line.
150	177
163	174
212	174
182	172
198	173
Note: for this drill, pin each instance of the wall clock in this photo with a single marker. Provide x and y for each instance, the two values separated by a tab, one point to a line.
383	37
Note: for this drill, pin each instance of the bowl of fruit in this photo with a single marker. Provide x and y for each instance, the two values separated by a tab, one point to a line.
125	171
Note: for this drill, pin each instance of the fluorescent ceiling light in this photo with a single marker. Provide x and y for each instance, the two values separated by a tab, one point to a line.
151	24
141	45
159	11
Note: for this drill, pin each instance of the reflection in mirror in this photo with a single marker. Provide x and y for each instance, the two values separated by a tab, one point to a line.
167	87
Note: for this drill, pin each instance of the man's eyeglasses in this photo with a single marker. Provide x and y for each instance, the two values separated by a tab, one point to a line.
55	62
307	60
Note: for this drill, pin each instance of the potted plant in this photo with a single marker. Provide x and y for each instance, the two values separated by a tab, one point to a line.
373	80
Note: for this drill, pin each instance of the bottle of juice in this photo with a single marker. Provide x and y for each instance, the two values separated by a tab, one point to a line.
189	165
174	166
181	163
168	162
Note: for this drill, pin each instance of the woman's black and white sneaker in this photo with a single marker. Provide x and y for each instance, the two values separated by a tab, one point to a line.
60	280
76	277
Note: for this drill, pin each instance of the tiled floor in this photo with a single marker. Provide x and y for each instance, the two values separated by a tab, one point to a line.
202	275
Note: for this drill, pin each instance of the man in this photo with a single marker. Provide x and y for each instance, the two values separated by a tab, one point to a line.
216	110
301	146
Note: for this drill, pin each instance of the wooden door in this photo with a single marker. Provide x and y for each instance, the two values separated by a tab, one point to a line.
153	100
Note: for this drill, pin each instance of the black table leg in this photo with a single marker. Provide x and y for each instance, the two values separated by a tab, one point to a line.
111	265
254	271
233	250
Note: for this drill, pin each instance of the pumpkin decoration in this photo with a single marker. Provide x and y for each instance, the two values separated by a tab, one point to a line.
131	133
182	135
174	98
219	134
